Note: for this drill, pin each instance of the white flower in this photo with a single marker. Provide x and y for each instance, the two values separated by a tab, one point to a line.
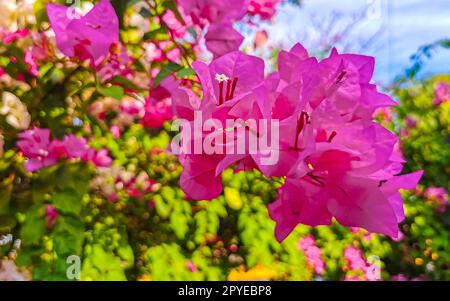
16	112
16	14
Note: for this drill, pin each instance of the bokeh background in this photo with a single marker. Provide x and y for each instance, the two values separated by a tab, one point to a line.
131	221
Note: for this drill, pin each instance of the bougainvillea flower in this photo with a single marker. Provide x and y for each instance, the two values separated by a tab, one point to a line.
232	88
99	158
30	61
330	190
9	37
222	38
42	49
86	37
177	28
35	145
313	253
441	93
41	151
265	9
156	113
215	11
199	180
75	147
51	214
439	195
237	69
118	63
436	193
337	162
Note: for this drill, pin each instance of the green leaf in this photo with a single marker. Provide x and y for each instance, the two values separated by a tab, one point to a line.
34	226
166	71
185	72
125	83
68	201
75	177
6	188
68	235
156	34
111	91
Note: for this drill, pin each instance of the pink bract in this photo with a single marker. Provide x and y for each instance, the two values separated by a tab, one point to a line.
86	37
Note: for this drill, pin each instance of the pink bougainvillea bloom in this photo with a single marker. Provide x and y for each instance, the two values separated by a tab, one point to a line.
441	93
156	113
372	204
439	195
410	122
247	71
118	63
99	158
175	26
313	253
75	147
214	11
132	107
9	37
40	151
115	131
355	258
199	180
42	48
35	145
265	9
222	38
30	61
51	214
191	266
86	37
337	162
228	93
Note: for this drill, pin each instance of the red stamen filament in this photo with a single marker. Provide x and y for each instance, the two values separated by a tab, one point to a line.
304	118
341	76
333	134
381	183
220	93
233	87
227	96
317	179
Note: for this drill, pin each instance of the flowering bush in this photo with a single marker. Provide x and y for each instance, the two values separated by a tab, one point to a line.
89	165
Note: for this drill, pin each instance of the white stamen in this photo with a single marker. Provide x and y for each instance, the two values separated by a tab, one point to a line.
221	77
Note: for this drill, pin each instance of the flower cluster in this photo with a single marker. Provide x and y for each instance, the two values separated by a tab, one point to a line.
357	264
42	151
313	254
439	195
442	93
87	37
28	48
336	161
15	111
217	18
111	181
265	9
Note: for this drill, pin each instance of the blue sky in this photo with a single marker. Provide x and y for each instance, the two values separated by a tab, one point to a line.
402	26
